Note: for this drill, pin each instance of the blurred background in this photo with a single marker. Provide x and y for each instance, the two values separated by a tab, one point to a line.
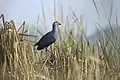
33	11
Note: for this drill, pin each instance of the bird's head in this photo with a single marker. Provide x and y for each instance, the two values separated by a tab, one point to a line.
56	23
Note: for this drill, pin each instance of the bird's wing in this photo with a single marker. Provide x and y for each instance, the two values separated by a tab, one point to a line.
46	40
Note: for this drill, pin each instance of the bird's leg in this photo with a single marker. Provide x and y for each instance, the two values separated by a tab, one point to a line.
47	54
46	51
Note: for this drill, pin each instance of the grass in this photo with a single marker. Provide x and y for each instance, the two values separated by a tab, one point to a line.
71	59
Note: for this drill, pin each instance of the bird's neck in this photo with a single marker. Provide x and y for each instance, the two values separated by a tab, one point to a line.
54	27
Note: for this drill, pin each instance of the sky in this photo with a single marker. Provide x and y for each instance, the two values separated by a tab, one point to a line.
28	10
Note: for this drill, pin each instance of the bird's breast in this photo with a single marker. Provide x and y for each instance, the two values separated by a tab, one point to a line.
55	35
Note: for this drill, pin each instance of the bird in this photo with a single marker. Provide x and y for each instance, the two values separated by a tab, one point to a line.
49	38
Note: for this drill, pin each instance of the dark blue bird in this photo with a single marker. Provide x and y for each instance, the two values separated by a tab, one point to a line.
48	38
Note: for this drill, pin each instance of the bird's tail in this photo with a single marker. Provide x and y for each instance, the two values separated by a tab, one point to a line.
35	44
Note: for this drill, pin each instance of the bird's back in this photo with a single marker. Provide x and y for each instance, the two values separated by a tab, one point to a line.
46	40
